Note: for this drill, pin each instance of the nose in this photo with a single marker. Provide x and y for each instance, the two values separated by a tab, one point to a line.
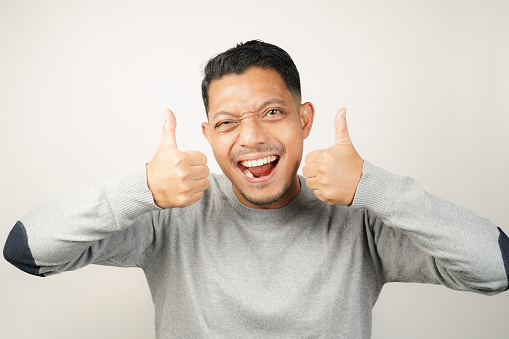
251	133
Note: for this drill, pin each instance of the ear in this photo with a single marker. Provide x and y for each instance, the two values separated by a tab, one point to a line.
307	114
205	129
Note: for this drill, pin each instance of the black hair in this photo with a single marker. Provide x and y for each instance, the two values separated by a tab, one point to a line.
252	53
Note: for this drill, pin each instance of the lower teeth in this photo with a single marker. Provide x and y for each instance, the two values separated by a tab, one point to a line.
248	173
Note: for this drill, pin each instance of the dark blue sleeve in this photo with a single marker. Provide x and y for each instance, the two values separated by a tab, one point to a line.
17	251
503	242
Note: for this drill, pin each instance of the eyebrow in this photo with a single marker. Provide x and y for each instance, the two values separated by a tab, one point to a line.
265	104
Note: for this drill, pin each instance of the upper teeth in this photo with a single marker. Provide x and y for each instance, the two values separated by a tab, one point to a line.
259	162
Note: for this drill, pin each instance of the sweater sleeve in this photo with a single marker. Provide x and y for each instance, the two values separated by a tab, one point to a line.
459	248
101	225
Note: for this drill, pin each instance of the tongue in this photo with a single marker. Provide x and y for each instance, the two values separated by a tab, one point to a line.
263	170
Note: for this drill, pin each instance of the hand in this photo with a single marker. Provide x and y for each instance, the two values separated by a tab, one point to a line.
334	174
175	178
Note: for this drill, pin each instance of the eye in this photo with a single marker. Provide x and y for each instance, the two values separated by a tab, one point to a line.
273	112
224	126
221	123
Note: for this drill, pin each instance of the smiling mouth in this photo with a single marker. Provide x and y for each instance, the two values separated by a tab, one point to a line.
258	168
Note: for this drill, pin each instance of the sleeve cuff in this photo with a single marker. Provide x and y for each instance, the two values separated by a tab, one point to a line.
130	196
376	190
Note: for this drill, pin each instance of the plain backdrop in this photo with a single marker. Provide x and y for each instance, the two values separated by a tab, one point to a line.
84	84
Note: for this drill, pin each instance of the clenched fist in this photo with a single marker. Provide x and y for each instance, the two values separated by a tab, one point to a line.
334	174
175	178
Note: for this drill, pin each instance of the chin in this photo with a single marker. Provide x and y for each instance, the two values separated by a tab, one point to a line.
265	200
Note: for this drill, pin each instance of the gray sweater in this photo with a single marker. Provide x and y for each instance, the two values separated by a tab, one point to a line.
218	269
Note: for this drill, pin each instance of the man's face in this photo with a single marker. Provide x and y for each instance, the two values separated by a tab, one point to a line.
256	130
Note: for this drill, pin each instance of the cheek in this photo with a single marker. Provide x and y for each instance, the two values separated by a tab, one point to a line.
292	137
221	147
294	144
218	148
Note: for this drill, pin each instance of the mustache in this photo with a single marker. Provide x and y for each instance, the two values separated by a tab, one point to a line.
276	149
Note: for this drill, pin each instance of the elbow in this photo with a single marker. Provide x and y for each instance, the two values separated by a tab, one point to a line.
17	252
503	243
495	288
499	272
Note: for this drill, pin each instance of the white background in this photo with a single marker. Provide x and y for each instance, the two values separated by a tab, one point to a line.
84	84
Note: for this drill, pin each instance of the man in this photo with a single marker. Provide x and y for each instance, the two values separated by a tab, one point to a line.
261	252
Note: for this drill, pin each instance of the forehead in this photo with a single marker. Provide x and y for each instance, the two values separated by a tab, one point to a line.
245	91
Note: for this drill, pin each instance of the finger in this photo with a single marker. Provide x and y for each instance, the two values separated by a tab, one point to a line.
196	158
309	171
199	187
199	172
201	184
312	156
170	123
342	135
196	196
312	183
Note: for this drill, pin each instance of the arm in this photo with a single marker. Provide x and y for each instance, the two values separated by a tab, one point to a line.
108	223
469	251
74	229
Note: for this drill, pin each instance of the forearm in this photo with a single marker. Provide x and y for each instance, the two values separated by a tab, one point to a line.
466	246
66	232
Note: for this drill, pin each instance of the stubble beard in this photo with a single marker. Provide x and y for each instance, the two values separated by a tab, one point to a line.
267	201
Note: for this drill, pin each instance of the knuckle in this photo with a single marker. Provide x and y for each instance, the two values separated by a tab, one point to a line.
327	156
181	175
182	201
323	180
178	157
323	169
184	187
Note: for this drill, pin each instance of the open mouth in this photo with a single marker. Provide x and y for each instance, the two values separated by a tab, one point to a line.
258	168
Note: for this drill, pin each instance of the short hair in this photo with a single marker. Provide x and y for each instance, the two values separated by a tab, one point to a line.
252	53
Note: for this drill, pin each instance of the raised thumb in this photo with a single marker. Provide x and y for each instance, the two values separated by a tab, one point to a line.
342	135
170	123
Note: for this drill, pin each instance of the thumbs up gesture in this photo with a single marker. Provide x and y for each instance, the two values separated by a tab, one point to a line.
175	178
334	174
